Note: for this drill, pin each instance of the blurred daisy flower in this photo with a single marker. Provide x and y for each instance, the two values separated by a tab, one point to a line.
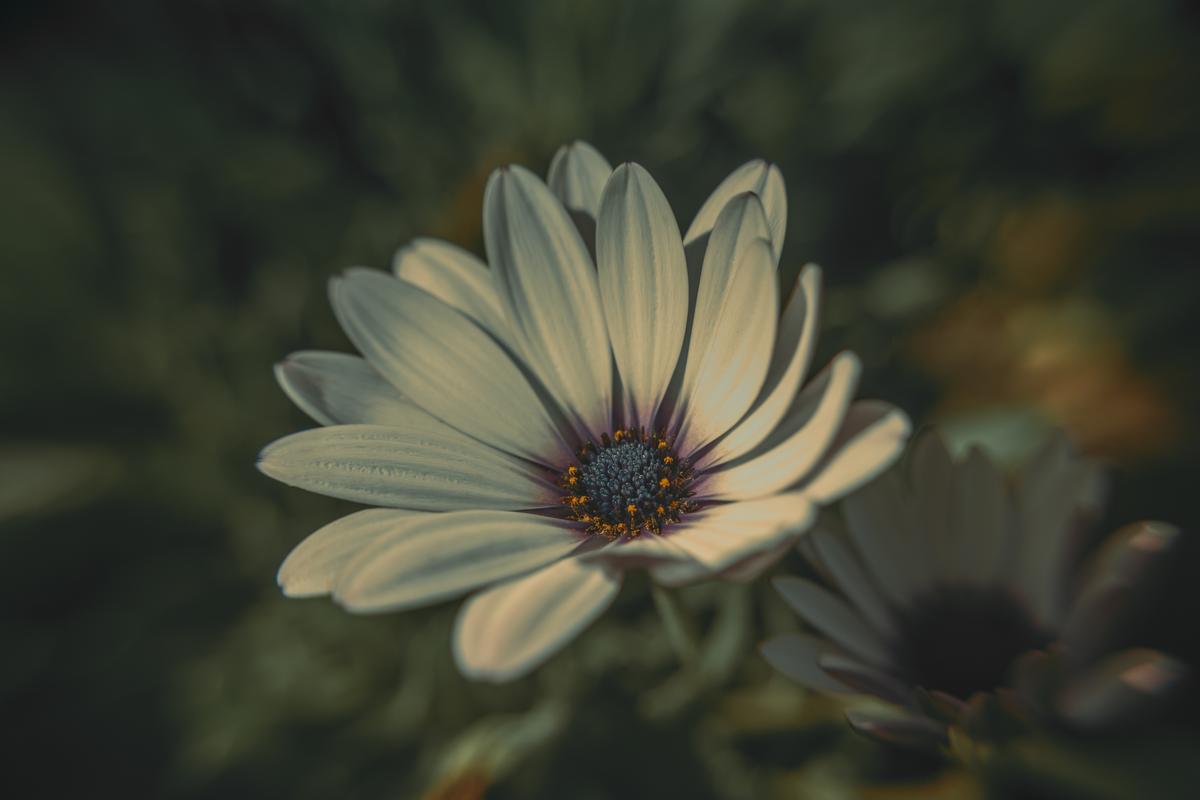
953	596
607	395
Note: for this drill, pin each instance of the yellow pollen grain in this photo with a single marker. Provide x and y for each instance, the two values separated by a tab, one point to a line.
661	510
667	459
664	483
631	508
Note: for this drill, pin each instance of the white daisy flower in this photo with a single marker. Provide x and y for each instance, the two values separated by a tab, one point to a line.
607	395
949	591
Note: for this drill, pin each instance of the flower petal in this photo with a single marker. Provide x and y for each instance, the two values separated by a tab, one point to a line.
798	443
1128	559
341	389
445	555
577	176
1121	689
756	176
733	329
1058	491
867	680
796	654
789	365
548	286
313	566
720	536
454	276
879	519
423	469
446	365
872	437
896	728
644	286
506	631
833	617
981	518
931	471
851	579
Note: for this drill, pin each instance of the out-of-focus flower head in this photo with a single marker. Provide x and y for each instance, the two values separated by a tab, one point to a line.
961	600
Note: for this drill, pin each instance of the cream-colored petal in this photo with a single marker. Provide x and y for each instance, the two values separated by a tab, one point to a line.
421	469
789	365
547	284
510	629
758	177
720	536
445	555
313	566
798	443
733	329
872	438
455	277
644	286
445	364
577	176
341	389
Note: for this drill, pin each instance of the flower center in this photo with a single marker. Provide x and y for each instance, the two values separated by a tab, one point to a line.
962	640
629	483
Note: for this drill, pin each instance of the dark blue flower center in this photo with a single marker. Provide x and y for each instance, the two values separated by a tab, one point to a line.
629	483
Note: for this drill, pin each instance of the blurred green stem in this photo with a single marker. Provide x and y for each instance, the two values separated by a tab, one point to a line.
677	624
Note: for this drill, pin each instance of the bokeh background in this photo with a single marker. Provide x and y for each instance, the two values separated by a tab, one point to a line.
1005	197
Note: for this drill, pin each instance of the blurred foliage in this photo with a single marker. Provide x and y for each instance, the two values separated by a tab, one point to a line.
1006	198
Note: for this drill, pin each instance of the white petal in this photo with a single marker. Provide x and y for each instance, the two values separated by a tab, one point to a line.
789	365
313	566
799	442
446	365
720	536
879	519
341	389
833	617
753	566
647	550
733	330
644	286
872	437
445	555
577	176
548	286
429	470
850	577
980	518
455	277
762	179
510	629
796	654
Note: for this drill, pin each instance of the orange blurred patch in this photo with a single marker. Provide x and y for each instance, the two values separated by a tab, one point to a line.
994	347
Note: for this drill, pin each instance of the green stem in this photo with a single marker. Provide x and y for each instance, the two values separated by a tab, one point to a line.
677	625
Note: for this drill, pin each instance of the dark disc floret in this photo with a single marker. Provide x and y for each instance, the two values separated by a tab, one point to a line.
628	484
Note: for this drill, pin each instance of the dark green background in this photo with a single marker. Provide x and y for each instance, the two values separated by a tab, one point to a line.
984	183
